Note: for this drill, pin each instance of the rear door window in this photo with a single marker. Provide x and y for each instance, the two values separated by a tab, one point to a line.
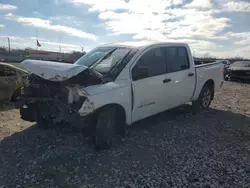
177	59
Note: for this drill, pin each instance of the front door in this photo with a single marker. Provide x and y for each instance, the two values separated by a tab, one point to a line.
149	89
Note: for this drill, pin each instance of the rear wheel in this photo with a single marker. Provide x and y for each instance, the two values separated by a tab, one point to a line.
205	98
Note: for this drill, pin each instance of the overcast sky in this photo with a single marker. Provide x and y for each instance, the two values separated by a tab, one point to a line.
217	27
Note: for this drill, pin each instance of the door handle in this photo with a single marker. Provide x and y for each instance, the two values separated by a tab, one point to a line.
166	80
190	74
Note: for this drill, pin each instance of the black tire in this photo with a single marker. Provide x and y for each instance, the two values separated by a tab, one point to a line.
205	98
106	127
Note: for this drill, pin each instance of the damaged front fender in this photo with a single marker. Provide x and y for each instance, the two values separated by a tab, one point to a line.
74	95
87	108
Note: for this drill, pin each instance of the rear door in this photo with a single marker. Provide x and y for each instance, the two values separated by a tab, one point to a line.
182	75
147	84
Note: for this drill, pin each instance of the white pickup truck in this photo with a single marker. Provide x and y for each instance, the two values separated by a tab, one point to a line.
117	85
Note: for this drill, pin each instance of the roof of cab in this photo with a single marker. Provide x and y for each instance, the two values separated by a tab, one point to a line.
140	44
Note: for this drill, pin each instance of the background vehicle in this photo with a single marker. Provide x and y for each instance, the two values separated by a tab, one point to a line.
117	85
226	64
238	70
11	81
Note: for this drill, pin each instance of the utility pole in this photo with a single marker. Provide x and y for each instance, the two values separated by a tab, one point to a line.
59	56
60	44
8	43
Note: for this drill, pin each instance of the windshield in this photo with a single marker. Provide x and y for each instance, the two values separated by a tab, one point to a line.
103	59
94	55
241	64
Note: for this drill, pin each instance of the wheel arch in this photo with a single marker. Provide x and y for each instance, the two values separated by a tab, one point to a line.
211	84
119	107
197	103
16	92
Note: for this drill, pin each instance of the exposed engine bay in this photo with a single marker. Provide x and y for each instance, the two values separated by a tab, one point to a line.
56	100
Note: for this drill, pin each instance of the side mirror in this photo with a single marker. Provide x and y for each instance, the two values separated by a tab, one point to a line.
139	73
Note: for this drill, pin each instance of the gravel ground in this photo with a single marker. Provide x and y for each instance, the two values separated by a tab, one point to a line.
173	149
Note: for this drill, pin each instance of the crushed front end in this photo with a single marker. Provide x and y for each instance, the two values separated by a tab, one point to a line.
55	101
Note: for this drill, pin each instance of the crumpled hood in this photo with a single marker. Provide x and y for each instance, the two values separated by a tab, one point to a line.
53	71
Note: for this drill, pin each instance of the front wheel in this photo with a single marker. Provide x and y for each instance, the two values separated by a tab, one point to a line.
205	98
108	120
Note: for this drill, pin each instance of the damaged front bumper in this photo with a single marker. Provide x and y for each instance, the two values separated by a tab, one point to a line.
64	101
54	111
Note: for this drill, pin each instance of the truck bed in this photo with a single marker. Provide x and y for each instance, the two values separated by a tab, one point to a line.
201	62
205	72
206	64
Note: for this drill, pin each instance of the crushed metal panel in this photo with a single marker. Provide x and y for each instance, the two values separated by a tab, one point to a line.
53	71
73	94
58	78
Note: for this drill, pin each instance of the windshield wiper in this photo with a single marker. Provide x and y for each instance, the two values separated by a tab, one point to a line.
119	62
117	66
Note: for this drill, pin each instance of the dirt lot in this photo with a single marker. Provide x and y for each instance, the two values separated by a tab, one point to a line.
173	149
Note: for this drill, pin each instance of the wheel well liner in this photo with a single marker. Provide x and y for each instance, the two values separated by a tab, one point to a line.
15	93
120	109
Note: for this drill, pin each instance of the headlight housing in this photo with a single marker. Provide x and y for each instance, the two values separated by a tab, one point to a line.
82	92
